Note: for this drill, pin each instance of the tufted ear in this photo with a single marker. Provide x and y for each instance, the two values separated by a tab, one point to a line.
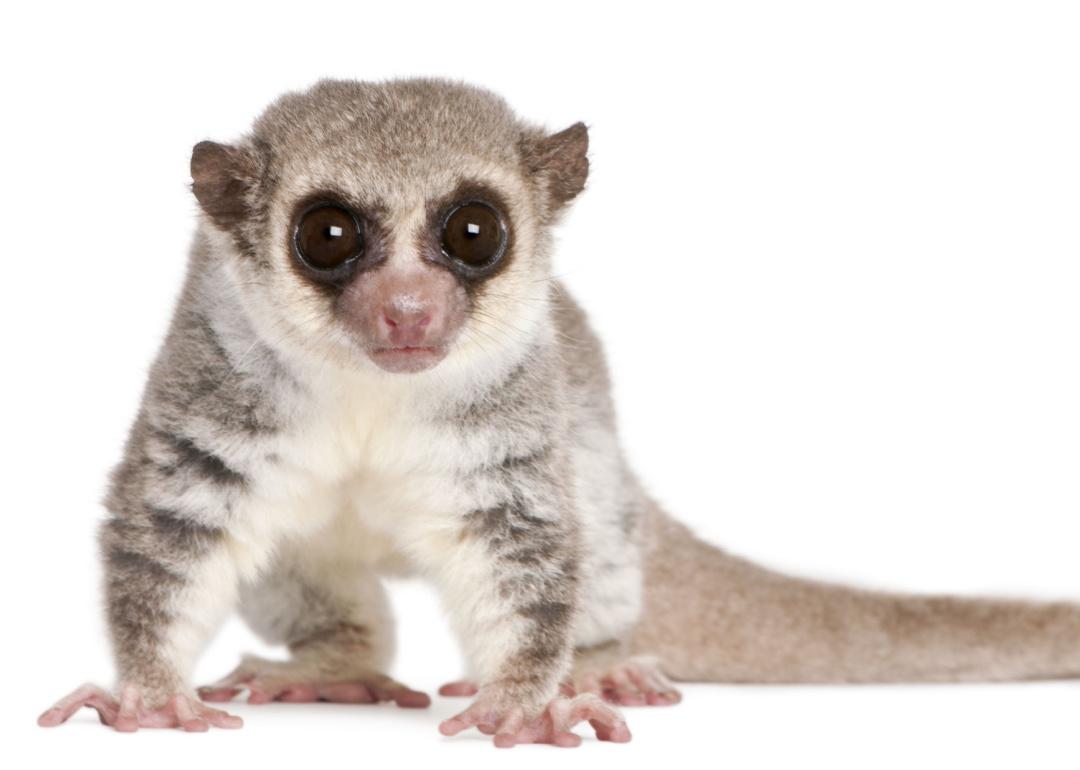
561	162
222	178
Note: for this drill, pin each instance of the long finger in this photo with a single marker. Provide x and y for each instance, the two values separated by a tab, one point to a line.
471	717
88	695
403	696
626	690
214	694
562	722
606	721
506	733
460	689
127	720
346	692
189	720
219	718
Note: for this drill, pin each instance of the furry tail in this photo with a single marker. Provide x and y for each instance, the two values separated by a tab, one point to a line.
712	617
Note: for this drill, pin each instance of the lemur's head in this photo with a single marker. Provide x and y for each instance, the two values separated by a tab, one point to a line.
400	223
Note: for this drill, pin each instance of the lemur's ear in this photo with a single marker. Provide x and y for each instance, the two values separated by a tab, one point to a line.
561	162
222	180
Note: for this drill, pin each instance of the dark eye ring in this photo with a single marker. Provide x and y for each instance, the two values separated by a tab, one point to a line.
327	236
474	235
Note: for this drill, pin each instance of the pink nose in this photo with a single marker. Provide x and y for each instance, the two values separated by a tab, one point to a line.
406	323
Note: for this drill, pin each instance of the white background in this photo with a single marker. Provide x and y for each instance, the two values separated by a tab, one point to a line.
833	249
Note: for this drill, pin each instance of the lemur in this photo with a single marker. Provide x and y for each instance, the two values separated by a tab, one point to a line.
372	371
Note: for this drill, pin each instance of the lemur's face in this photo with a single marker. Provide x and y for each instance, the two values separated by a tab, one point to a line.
404	273
398	226
402	284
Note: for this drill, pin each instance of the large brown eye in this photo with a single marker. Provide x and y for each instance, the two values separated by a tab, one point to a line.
474	233
328	236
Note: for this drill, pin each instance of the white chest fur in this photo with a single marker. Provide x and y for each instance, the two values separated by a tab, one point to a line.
362	467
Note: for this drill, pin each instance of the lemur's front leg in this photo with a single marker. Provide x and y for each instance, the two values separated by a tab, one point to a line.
168	581
171	575
511	584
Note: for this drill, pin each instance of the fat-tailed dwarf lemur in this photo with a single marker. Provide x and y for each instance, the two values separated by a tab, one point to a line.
372	371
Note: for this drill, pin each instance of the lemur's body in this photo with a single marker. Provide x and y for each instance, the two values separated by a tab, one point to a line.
307	428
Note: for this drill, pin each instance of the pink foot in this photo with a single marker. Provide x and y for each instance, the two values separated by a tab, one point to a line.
634	682
129	713
266	681
554	725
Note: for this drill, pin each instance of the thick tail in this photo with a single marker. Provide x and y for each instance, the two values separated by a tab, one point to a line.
713	617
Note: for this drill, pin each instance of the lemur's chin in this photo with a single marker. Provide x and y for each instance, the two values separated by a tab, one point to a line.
407	360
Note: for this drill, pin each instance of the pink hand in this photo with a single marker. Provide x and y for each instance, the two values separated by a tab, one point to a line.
129	713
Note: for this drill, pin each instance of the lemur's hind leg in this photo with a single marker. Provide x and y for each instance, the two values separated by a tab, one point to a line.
612	672
336	622
609	671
